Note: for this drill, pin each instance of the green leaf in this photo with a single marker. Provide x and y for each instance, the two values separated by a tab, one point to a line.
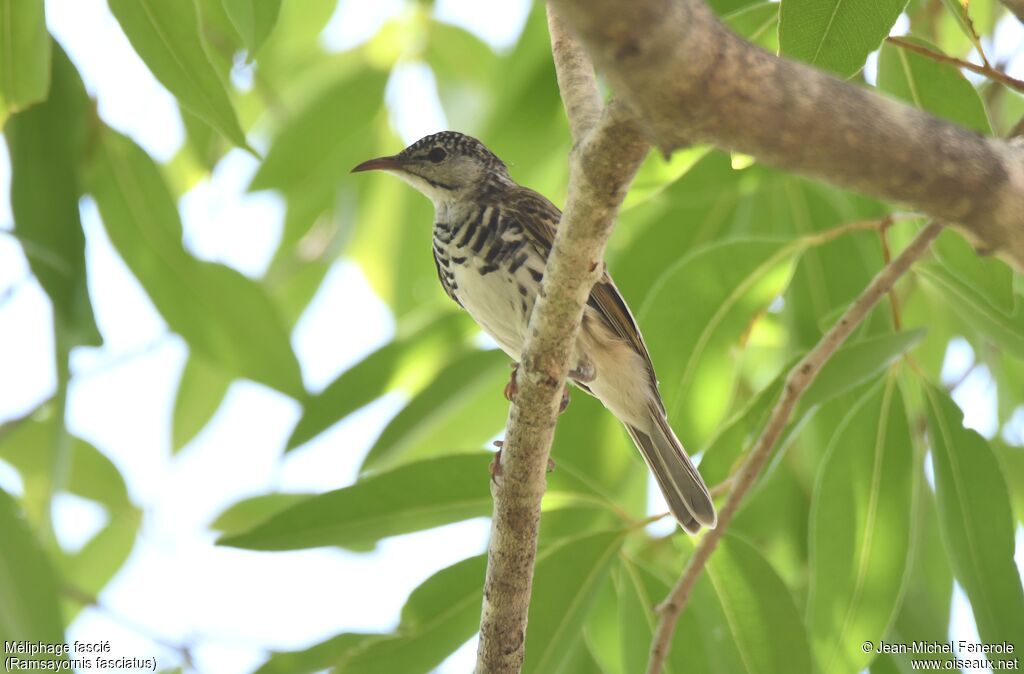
723	288
757	23
439	616
856	363
828	276
30	448
250	512
565	584
835	35
705	196
602	633
1011	458
595	457
225	316
424	349
639	591
320	145
410	498
860	532
455	52
939	88
765	624
924	613
167	37
394	251
201	390
318	657
46	143
24	55
253	19
29	610
461	409
91	568
963	21
973	307
976	520
990	278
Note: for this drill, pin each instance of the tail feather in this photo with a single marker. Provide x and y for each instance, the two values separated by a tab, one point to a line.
682	485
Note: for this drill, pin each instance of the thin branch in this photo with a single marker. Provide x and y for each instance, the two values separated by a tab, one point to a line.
894	302
689	79
986	70
80	596
10	291
601	166
576	80
797	381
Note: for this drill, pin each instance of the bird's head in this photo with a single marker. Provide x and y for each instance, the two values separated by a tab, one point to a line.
444	166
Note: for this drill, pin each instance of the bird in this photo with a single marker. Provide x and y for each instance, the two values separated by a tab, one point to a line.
491	239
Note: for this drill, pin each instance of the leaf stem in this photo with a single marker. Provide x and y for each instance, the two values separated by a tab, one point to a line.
986	70
797	381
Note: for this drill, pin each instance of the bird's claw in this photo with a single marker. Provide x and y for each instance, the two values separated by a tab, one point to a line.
495	467
512	387
496	462
584	372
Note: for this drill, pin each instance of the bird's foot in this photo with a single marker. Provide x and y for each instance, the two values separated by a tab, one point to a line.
495	468
564	404
584	372
496	461
512	387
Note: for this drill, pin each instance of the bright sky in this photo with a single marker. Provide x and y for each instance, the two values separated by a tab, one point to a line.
232	605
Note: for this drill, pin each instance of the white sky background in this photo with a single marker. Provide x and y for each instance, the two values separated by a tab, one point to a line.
230	606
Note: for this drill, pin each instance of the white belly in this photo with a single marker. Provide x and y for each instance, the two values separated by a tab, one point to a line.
494	301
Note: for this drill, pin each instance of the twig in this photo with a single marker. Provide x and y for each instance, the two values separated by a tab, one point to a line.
118	360
797	381
9	292
958	382
986	70
80	596
894	304
606	153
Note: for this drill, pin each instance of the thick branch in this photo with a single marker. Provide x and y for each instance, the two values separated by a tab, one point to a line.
602	164
576	80
797	381
689	79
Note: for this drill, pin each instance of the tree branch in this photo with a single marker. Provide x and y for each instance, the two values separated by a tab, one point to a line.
797	381
576	80
689	79
986	70
1015	6
601	166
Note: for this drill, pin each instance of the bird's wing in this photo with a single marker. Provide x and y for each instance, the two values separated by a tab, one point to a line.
538	217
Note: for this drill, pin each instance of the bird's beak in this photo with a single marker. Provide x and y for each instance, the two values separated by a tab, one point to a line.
380	164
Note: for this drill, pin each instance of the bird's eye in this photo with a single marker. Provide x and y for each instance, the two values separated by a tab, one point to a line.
437	155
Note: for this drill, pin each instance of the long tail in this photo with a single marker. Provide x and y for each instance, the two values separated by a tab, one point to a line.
682	485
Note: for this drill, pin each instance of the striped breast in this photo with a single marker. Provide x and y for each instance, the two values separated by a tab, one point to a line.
486	264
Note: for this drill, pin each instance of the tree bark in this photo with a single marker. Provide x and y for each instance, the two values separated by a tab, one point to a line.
608	149
689	79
